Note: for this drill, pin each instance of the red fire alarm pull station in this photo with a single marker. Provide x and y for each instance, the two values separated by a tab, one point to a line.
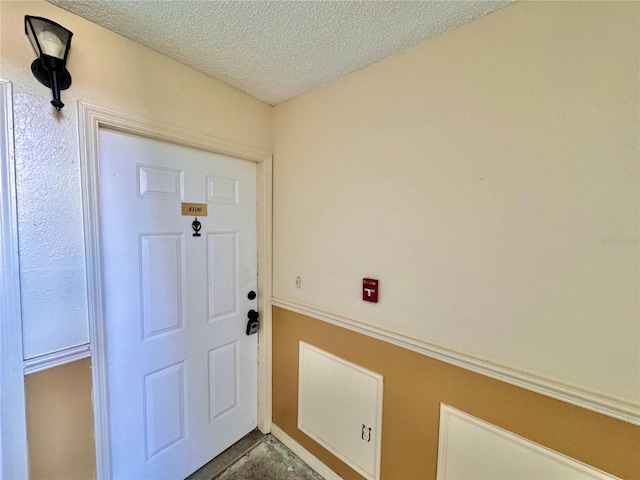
370	290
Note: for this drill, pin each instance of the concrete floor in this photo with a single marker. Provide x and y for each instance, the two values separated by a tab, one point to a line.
256	457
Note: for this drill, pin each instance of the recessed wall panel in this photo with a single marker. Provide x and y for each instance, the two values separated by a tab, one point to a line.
222	274
154	182
162	281
164	408
473	448
223	380
222	190
340	407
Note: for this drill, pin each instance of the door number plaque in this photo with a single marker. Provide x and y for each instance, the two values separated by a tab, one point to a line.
194	209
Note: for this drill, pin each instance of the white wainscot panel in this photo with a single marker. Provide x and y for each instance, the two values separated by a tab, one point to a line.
222	278
340	407
470	448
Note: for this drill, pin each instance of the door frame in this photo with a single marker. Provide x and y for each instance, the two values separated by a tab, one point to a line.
14	462
90	120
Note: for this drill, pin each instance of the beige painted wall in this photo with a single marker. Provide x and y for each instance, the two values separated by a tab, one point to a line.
60	423
112	71
489	180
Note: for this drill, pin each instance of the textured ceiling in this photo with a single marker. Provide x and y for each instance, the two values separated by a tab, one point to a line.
275	50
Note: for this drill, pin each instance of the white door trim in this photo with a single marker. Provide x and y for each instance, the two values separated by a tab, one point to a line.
13	434
91	119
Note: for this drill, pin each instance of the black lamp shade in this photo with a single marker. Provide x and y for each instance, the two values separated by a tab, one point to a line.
51	41
47	37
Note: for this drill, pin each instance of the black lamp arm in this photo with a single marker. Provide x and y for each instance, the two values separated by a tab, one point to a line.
55	89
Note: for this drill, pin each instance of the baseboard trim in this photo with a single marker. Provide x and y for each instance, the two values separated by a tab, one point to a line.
593	401
304	454
56	359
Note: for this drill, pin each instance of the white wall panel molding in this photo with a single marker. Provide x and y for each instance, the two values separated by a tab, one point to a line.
304	454
91	120
340	407
611	407
469	447
13	434
56	359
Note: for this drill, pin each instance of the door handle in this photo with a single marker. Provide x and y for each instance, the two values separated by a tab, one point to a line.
252	325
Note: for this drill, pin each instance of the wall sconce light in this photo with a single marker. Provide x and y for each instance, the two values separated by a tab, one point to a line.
51	42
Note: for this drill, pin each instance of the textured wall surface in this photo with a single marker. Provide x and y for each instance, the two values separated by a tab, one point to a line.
111	72
489	179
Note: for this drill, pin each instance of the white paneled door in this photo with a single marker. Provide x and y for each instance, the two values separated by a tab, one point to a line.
182	373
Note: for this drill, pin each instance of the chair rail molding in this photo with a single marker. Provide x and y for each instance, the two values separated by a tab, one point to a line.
13	434
56	359
90	120
612	407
